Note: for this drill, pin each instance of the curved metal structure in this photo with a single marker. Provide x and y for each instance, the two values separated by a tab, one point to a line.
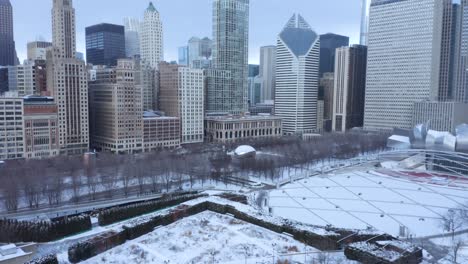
437	162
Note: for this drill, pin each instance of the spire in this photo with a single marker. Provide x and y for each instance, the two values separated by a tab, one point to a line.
151	7
292	22
301	23
297	21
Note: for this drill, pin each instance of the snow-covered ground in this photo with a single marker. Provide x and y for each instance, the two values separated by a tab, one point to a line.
357	198
209	236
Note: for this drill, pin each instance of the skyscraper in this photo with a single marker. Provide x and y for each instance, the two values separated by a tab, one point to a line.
268	72
230	55
365	8
400	70
7	41
297	76
328	44
461	53
67	81
349	87
151	37
132	36
105	44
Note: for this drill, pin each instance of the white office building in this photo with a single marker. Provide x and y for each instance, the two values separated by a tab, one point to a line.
21	78
403	60
297	74
151	38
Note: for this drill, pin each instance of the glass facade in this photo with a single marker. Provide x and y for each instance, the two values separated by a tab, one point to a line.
7	42
328	45
105	43
230	53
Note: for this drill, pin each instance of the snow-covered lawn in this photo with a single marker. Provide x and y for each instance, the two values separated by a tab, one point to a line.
209	236
360	199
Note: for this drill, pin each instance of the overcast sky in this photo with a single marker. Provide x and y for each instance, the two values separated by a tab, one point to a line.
183	19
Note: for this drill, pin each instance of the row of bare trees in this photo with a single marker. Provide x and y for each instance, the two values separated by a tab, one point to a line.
68	179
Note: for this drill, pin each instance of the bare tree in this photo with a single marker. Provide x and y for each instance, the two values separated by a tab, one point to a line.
11	191
452	221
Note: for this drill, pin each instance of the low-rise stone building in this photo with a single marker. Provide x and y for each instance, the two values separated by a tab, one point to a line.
228	128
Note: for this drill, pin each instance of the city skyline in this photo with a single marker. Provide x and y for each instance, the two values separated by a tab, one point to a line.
193	20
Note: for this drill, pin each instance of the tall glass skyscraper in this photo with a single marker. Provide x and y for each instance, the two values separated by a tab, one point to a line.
365	9
230	54
105	44
328	45
7	42
132	36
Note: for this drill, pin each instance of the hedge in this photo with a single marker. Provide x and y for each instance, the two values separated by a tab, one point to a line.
117	214
13	231
49	259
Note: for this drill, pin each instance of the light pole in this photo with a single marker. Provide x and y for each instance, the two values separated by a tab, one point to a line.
274	247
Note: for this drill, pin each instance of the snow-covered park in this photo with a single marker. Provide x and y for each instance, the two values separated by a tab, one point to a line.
380	200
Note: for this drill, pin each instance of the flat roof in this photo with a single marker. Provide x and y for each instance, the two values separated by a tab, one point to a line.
242	118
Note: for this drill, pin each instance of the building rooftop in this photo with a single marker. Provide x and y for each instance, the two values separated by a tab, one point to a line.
298	36
31	99
243	118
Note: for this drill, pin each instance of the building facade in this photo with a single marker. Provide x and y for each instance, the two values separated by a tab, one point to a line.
200	52
400	75
145	76
441	116
230	53
3	79
105	44
116	115
225	129
67	81
183	56
365	9
11	128
22	78
160	132
41	134
37	50
349	88
7	41
268	72
328	44
297	76
181	94
132	37
460	89
151	37
327	83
